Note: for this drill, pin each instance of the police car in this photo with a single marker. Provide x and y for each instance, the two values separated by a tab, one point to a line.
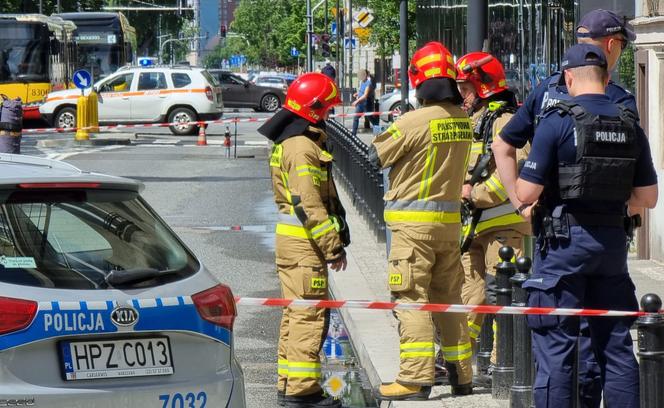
101	304
152	94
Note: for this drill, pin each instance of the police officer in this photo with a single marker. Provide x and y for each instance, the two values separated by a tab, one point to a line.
310	235
490	221
427	151
611	34
589	158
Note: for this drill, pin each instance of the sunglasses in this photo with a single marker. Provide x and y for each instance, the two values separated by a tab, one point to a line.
623	43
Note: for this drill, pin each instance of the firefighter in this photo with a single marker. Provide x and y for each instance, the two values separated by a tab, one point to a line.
311	233
589	158
489	220
427	151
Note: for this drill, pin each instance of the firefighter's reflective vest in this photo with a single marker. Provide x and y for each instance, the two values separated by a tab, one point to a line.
305	196
489	195
427	151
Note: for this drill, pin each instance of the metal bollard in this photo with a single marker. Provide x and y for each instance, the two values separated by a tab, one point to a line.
522	389
82	118
483	379
93	112
651	352
503	373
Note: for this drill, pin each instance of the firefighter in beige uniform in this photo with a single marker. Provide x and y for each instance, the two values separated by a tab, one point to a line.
310	233
427	151
491	221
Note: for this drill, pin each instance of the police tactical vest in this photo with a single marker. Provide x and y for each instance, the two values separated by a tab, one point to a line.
606	152
552	96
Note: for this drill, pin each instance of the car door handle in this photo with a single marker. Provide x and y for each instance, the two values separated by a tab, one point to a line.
125	97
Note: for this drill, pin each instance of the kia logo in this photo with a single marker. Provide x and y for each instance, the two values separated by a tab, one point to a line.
124	316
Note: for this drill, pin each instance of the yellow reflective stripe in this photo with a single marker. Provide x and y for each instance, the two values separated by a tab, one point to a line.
293	231
284	180
474	330
282	366
323	175
428	59
417	349
494	326
411	354
477	147
304	370
326	154
434	217
495	186
276	156
393	130
322	229
308	169
507	219
407	346
427	174
456	353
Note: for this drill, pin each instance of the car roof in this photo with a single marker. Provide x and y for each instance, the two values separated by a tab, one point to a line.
17	169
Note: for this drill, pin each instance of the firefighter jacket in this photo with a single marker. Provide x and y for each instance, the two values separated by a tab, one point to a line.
489	195
427	151
306	198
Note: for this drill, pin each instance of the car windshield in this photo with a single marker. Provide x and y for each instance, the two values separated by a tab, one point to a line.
74	240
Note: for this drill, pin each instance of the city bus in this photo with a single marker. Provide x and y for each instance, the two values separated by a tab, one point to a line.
37	56
106	41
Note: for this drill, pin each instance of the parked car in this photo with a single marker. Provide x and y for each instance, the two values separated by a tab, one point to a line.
391	102
144	95
239	93
275	81
101	304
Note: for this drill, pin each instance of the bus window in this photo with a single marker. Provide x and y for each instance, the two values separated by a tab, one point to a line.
23	53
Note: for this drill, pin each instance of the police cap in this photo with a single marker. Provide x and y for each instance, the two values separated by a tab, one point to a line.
601	23
583	55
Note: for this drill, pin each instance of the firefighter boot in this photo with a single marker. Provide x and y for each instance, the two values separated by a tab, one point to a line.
315	400
404	392
440	371
457	389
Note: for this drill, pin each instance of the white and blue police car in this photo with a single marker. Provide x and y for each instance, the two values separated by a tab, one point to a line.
101	304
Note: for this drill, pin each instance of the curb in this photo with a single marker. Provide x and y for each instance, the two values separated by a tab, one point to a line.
124	139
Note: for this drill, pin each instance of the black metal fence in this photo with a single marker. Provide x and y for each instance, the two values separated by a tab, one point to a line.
362	180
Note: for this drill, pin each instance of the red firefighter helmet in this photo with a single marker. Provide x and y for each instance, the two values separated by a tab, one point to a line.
433	60
311	95
484	71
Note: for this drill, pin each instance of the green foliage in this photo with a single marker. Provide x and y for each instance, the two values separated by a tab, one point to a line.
49	6
626	69
385	27
229	46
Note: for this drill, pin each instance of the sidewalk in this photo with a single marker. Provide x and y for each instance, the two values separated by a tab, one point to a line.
374	333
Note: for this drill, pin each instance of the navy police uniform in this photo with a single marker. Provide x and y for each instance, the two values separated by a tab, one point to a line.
587	268
521	129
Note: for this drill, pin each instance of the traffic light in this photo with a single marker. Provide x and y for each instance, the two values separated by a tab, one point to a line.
222	31
326	51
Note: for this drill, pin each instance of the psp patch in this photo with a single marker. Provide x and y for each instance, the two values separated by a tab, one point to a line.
450	130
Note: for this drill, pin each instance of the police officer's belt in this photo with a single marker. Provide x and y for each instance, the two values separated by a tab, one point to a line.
595	220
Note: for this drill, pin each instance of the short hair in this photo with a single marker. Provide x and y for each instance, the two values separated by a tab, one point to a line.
597	40
590	73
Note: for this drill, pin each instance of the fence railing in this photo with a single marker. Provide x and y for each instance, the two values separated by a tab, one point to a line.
362	180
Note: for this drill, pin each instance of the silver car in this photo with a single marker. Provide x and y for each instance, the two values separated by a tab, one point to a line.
391	103
101	305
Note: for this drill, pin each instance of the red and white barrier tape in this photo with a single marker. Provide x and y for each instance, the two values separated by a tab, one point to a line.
433	307
197	123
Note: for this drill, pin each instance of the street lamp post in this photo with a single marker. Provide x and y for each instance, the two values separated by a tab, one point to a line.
310	29
403	37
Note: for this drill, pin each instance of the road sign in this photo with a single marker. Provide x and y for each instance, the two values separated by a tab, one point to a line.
82	79
334	28
363	17
294	52
348	43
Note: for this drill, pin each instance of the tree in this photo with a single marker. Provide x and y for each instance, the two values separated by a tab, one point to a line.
232	46
385	27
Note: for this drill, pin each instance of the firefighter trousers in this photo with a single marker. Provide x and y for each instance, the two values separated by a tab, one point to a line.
428	271
303	329
479	285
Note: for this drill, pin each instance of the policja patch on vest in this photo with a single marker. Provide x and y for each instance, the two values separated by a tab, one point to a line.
451	130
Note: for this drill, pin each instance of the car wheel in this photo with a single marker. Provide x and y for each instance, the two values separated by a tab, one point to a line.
65	118
270	103
396	108
183	116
